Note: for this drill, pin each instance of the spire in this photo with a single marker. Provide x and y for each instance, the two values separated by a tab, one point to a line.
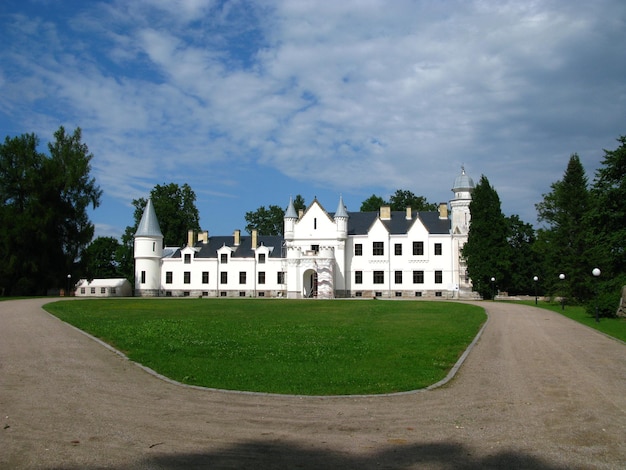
341	209
149	224
291	210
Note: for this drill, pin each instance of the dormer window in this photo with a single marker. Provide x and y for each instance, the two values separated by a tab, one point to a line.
224	258
261	258
187	258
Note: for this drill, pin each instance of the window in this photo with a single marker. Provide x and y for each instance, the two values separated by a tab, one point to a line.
143	277
224	277
315	223
438	277
418	294
418	277
153	246
103	290
398	294
186	293
113	290
315	248
205	277
438	294
398	249
418	248
93	290
223	294
187	258
224	258
358	249
280	277
358	294
82	290
261	294
261	258
187	277
398	277
242	277
438	249
168	277
378	248
242	293
379	277
261	277
358	277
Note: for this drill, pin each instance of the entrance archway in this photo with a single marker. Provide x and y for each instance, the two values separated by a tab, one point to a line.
309	284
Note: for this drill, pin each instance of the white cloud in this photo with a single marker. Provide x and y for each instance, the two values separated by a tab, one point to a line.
346	95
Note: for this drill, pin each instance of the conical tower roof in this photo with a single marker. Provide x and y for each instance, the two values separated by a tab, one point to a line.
149	224
341	209
291	210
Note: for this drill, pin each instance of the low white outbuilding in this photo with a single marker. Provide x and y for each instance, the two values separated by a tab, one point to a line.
104	288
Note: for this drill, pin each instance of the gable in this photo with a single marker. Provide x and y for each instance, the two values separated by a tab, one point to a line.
315	223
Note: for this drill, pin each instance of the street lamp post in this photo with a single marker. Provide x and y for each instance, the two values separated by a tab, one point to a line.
562	277
535	278
493	288
596	273
69	280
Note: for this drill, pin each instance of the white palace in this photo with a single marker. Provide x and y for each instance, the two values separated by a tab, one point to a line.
324	255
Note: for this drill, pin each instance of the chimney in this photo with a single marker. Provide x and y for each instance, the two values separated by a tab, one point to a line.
204	237
237	237
409	213
443	210
385	213
300	213
190	238
255	238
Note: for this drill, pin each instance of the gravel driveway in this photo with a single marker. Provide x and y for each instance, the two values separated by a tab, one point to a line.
537	391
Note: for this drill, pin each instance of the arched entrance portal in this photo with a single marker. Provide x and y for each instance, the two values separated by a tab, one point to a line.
309	284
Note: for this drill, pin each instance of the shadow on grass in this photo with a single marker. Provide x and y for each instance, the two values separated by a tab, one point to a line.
264	455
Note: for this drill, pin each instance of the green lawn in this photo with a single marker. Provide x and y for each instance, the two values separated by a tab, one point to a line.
615	327
308	347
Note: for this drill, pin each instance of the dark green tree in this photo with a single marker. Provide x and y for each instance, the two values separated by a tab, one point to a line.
373	204
99	259
267	221
608	229
487	251
521	257
402	199
565	238
44	209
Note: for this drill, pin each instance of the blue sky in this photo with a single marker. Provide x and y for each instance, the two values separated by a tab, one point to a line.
253	102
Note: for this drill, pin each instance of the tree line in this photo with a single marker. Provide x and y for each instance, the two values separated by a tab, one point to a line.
584	227
46	234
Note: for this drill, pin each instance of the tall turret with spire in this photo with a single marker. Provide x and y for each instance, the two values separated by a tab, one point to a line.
148	253
290	218
341	219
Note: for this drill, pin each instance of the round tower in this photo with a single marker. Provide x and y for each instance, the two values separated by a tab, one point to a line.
459	206
290	218
148	252
341	220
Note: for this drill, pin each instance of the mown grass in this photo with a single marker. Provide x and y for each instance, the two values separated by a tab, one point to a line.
615	327
282	346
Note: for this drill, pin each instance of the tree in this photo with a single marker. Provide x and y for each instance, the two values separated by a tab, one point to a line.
521	257
175	208
402	199
99	259
565	239
608	230
486	250
373	204
43	210
266	221
270	221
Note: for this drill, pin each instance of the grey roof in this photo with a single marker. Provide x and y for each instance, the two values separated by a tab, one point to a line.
359	223
463	182
149	224
244	250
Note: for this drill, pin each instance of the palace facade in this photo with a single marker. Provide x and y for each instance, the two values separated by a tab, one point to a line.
321	254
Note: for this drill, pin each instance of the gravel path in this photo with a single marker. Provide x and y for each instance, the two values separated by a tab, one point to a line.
537	391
